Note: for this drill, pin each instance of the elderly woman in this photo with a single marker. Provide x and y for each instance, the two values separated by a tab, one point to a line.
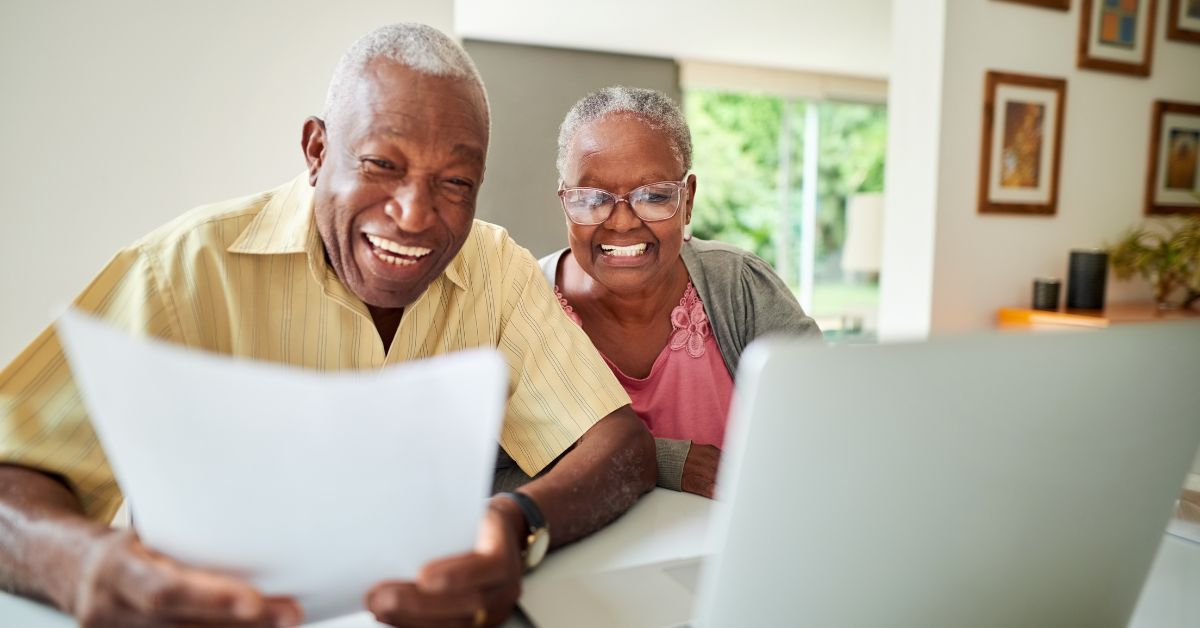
669	313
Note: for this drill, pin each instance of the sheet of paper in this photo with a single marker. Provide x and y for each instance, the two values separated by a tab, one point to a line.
311	484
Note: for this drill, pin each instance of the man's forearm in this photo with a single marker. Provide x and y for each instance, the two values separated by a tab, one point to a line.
44	536
599	479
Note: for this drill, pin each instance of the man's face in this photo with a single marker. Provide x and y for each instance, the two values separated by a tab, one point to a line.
396	171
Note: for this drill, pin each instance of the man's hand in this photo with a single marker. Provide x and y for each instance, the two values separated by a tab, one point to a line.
50	550
123	583
479	588
700	470
595	481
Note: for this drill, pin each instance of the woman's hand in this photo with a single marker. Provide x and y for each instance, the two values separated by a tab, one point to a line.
700	470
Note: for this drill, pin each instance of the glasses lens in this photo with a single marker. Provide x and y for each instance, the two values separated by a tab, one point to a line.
587	206
657	201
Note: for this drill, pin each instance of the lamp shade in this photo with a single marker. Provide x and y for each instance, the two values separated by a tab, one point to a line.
863	248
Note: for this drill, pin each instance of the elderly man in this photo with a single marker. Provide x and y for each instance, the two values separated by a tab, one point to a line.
371	257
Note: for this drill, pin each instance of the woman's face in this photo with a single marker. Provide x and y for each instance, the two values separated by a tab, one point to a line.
619	153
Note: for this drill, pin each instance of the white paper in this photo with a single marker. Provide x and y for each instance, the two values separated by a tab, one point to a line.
317	485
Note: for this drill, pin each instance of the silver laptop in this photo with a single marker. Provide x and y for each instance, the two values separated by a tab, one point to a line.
1000	481
995	481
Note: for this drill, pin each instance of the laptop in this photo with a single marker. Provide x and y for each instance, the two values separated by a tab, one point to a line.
989	481
996	481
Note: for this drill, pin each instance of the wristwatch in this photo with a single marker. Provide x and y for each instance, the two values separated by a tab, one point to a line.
538	540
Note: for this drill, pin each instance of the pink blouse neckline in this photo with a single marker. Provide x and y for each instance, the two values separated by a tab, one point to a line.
690	330
687	392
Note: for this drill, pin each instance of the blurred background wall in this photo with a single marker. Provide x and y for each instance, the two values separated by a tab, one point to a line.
120	115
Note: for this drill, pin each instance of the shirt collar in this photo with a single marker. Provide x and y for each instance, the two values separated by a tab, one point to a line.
285	226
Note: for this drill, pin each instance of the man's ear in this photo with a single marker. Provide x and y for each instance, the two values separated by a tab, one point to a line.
312	142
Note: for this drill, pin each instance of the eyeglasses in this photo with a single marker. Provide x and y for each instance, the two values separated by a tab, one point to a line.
651	202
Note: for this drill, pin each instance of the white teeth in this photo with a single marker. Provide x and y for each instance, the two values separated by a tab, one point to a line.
395	247
385	248
624	251
393	260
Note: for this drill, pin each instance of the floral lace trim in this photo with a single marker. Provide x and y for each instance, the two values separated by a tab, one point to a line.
567	307
689	322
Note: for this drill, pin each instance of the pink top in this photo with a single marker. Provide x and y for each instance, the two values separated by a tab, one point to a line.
686	395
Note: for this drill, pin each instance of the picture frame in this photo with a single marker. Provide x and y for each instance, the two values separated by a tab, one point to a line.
1117	36
1022	134
1173	170
1183	21
1061	5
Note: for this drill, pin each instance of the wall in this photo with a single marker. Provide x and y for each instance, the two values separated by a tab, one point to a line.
119	115
842	37
984	262
531	88
911	176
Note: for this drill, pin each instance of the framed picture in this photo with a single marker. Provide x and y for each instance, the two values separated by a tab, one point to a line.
1022	143
1117	36
1061	5
1183	21
1173	177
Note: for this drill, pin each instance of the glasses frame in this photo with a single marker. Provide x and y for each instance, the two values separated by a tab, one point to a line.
681	184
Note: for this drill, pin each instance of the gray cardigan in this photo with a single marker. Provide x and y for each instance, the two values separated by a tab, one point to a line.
744	300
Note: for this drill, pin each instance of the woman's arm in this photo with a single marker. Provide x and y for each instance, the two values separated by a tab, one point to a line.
685	466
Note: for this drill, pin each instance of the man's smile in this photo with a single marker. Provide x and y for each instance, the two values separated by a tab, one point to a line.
395	253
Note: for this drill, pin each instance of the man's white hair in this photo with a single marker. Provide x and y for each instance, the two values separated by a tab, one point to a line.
418	46
652	106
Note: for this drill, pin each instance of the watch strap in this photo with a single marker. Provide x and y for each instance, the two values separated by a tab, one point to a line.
533	515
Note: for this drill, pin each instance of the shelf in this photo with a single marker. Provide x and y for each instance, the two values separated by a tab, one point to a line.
1114	314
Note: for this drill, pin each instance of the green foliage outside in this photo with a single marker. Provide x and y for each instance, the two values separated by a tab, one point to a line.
853	146
736	159
735	140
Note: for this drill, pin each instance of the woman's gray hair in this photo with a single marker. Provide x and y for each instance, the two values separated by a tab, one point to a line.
654	107
418	46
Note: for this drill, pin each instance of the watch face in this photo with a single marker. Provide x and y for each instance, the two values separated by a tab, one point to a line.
539	542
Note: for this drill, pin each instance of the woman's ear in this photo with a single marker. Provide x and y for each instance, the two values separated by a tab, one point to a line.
691	199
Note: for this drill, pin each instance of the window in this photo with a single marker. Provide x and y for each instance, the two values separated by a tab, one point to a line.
754	154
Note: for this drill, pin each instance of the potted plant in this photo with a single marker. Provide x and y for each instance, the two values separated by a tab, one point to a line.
1168	259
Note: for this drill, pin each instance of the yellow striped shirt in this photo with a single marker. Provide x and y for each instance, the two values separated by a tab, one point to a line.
248	277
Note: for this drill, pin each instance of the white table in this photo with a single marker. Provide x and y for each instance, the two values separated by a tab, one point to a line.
666	525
